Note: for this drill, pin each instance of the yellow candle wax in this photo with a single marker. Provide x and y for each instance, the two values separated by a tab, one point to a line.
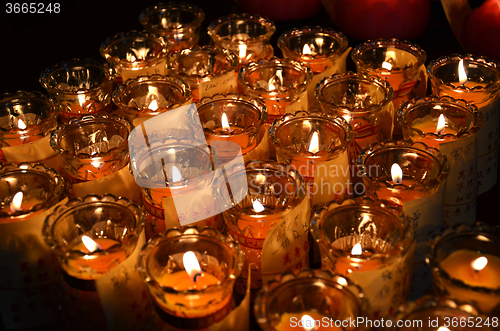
294	322
430	126
400	195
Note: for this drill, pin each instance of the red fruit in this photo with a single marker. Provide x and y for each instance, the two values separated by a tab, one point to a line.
482	30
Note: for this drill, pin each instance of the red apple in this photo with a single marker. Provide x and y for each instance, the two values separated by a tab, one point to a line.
281	9
482	30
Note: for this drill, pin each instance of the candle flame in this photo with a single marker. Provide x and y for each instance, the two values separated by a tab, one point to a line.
271	87
97	164
479	263
20	124
386	65
314	143
138	54
81	100
258	206
15	205
192	266
260	179
90	244
357	249
153	105
396	174
443	328
307	322
462	75
441	125
225	123
152	94
176	175
242	51
306	50
389	57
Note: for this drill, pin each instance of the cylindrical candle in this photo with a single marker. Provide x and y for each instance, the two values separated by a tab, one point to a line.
248	36
82	87
370	242
477	80
280	83
327	299
465	263
324	50
400	62
146	96
191	274
179	23
315	144
136	53
451	126
208	70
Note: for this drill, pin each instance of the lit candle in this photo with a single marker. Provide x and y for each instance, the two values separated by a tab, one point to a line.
473	268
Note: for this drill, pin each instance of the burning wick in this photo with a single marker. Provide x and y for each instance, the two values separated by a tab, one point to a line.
242	51
91	245
21	125
192	266
441	125
462	75
357	249
314	144
306	50
16	202
479	263
225	123
258	206
396	174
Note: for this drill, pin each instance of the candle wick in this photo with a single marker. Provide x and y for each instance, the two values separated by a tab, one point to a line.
196	276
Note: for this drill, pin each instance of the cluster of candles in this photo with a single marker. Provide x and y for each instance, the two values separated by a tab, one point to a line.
281	160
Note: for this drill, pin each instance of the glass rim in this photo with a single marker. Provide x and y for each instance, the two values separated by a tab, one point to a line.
263	21
160	8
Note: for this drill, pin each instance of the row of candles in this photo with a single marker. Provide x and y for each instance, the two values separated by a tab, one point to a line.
317	121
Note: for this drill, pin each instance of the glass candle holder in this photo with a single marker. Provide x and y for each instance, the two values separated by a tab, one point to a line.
270	220
136	53
248	36
363	100
179	23
477	80
456	138
370	242
280	83
141	98
465	263
242	130
208	70
315	144
191	274
28	193
329	300
400	62
431	314
324	50
82	87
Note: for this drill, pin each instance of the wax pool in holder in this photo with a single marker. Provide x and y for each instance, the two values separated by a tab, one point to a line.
28	192
136	53
190	274
372	243
309	300
465	263
413	176
400	62
248	36
440	314
238	119
82	87
177	169
270	220
476	80
179	23
324	50
94	150
208	70
143	97
280	83
316	145
97	241
451	126
362	100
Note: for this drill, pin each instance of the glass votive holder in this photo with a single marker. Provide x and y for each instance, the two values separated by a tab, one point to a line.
316	145
82	87
143	97
208	70
429	314
371	243
455	135
270	220
28	192
465	263
234	124
136	53
324	50
248	36
190	274
363	100
400	62
179	23
280	83
309	300
475	79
